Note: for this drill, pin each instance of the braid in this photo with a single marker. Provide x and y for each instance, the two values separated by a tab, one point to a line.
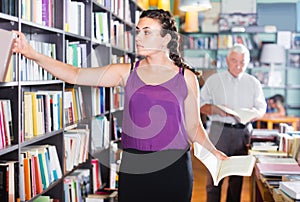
168	25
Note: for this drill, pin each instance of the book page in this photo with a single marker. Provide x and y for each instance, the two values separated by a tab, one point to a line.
243	115
246	115
228	110
211	162
237	165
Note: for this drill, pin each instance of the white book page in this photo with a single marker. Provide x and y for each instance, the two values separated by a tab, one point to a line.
211	162
237	165
234	165
243	115
246	115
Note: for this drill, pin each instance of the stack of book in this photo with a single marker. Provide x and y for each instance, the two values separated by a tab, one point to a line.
291	188
264	146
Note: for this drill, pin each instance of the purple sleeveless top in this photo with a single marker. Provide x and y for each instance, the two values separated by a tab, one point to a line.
153	117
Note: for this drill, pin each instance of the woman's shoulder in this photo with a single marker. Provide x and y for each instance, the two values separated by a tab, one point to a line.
189	73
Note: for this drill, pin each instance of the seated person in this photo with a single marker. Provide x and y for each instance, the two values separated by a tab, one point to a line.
275	107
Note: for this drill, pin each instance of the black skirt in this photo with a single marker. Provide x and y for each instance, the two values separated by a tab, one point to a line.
164	176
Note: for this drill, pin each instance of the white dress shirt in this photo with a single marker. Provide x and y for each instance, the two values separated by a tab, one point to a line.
244	91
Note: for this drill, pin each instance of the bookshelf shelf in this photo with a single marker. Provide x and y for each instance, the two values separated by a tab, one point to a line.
8	149
56	34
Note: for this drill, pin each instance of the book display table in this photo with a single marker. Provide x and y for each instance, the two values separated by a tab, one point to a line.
265	188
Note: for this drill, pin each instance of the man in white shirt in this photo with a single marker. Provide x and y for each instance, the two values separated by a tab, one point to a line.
234	89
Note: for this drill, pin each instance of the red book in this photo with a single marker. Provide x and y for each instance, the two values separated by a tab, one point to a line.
38	176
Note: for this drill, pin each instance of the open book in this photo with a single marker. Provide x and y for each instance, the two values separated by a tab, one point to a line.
5	51
243	115
235	165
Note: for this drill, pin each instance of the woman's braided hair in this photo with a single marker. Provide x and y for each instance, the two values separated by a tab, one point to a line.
168	25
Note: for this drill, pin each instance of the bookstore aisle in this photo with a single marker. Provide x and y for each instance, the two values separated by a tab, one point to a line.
199	193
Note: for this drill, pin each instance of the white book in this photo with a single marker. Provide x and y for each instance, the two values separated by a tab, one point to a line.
242	115
54	161
5	51
236	165
264	146
269	159
291	188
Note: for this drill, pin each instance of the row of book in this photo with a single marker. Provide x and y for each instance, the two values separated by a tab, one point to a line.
39	168
100	27
273	142
6	127
9	7
77	185
226	41
117	97
98	101
119	8
39	11
205	42
76	143
76	53
100	133
75	17
30	70
42	112
119	36
74	107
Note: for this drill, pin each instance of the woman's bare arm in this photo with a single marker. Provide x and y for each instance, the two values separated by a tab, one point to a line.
108	76
193	122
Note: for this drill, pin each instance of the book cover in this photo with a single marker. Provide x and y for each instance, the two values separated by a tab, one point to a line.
291	188
38	176
236	165
273	169
242	115
5	52
27	178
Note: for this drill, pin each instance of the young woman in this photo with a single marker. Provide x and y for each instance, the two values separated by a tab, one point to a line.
161	112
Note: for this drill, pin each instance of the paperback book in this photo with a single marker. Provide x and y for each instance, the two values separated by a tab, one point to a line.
235	165
242	115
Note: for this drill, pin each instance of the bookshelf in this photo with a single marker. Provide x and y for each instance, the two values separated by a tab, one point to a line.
207	52
68	31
